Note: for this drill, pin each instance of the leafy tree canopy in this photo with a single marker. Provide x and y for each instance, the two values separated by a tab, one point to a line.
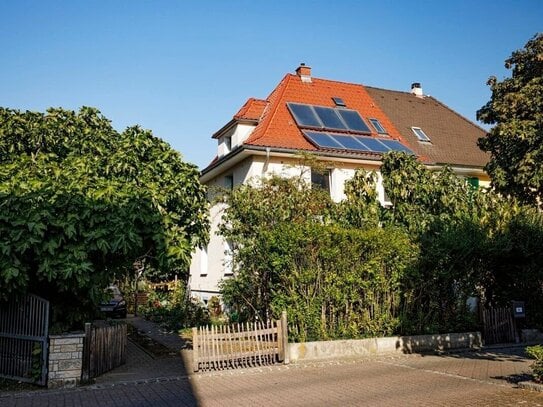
516	111
80	201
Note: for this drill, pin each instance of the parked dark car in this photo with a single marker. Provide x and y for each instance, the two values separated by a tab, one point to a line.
116	306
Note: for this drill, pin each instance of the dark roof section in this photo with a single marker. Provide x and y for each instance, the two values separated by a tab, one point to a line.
453	137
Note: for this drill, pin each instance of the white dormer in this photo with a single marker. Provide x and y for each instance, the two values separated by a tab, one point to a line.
233	137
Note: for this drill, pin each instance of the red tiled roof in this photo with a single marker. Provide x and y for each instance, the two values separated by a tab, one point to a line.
453	138
251	110
277	128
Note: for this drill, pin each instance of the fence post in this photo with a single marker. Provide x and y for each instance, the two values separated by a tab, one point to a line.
86	353
195	349
284	338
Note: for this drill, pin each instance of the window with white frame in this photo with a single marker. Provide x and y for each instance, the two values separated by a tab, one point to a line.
378	126
421	135
228	258
203	262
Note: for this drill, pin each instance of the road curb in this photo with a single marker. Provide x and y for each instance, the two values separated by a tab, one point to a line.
531	386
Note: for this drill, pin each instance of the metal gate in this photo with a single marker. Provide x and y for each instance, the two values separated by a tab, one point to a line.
498	325
24	325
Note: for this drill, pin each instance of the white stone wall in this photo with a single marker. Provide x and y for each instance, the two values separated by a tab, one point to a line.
65	360
305	351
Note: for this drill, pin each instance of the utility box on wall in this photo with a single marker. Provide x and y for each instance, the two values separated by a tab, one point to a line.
519	310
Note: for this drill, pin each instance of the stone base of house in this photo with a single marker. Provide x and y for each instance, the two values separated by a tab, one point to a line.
376	346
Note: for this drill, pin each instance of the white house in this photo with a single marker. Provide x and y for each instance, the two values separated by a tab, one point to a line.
344	124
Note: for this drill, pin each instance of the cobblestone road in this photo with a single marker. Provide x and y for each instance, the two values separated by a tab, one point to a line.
468	379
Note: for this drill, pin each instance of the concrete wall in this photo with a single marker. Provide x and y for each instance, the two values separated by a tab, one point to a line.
65	360
376	346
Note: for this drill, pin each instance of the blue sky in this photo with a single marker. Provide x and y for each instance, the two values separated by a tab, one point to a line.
183	68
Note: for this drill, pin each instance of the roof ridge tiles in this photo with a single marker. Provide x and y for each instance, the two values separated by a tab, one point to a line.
266	118
251	103
405	92
335	81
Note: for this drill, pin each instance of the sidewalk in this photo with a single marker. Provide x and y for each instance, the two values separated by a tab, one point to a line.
143	366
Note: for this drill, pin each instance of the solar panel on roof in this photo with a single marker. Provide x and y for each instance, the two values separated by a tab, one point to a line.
395	145
353	120
350	142
374	144
354	143
329	118
324	140
304	115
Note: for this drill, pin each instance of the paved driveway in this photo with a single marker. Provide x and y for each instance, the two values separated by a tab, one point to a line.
468	379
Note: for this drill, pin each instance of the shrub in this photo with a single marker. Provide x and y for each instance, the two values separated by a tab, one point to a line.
536	352
173	311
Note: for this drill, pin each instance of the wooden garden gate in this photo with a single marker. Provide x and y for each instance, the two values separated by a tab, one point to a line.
104	348
240	345
24	326
498	325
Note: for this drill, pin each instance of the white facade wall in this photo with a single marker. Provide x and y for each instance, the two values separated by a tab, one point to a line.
211	265
234	137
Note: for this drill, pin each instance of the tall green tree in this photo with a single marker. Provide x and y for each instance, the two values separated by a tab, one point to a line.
80	201
252	213
515	142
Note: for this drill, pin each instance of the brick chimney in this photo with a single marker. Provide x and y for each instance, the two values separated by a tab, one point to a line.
304	72
416	89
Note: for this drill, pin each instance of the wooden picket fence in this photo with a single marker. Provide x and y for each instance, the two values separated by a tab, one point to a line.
498	325
104	349
240	345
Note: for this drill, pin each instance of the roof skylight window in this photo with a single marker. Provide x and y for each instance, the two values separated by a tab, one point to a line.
421	135
378	126
339	102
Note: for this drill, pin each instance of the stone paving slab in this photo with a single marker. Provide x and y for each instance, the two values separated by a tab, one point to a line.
410	380
171	340
376	382
140	365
